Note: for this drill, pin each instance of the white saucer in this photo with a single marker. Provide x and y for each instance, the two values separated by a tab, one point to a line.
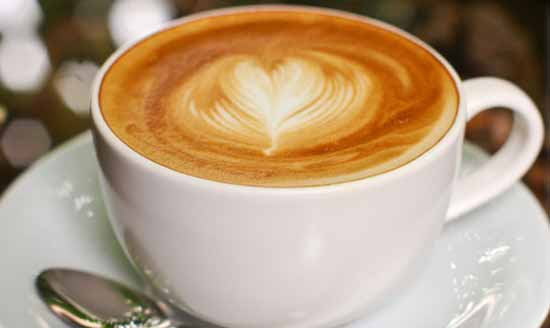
490	269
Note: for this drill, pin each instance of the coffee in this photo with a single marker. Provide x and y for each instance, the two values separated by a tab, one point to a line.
278	98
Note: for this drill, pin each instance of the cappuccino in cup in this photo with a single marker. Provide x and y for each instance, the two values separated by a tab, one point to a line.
290	167
279	99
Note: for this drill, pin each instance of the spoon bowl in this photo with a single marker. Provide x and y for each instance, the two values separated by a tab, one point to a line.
86	300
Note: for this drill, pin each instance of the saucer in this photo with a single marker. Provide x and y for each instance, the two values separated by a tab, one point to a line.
491	268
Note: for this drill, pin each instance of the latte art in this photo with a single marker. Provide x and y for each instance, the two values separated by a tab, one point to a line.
275	106
278	98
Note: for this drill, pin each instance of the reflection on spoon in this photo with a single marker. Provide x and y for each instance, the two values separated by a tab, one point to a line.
87	300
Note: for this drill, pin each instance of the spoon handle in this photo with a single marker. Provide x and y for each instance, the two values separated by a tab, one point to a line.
153	322
170	324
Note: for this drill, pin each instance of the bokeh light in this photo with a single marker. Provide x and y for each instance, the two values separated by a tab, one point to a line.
130	19
24	62
19	16
3	114
24	141
73	83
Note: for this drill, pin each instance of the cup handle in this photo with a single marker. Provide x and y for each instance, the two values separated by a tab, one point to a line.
513	159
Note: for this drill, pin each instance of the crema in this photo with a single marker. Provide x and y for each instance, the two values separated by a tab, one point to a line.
278	98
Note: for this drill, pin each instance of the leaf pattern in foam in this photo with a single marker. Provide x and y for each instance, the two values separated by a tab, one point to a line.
261	104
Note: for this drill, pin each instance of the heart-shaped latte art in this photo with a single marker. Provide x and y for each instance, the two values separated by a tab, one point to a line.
275	105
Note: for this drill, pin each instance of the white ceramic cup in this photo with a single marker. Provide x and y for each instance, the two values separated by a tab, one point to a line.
242	256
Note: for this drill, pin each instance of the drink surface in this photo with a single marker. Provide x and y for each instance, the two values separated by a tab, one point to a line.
278	98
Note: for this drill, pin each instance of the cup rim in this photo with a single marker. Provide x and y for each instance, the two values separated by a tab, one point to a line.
430	155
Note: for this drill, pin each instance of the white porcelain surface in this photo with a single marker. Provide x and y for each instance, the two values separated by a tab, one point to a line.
490	269
229	253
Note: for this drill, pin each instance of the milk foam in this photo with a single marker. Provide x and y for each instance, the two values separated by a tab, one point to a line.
259	105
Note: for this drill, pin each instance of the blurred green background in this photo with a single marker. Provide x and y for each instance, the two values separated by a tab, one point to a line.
50	51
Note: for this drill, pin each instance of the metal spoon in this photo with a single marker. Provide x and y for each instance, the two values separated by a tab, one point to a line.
87	300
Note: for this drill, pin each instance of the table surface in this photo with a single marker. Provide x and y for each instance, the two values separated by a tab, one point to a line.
50	51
